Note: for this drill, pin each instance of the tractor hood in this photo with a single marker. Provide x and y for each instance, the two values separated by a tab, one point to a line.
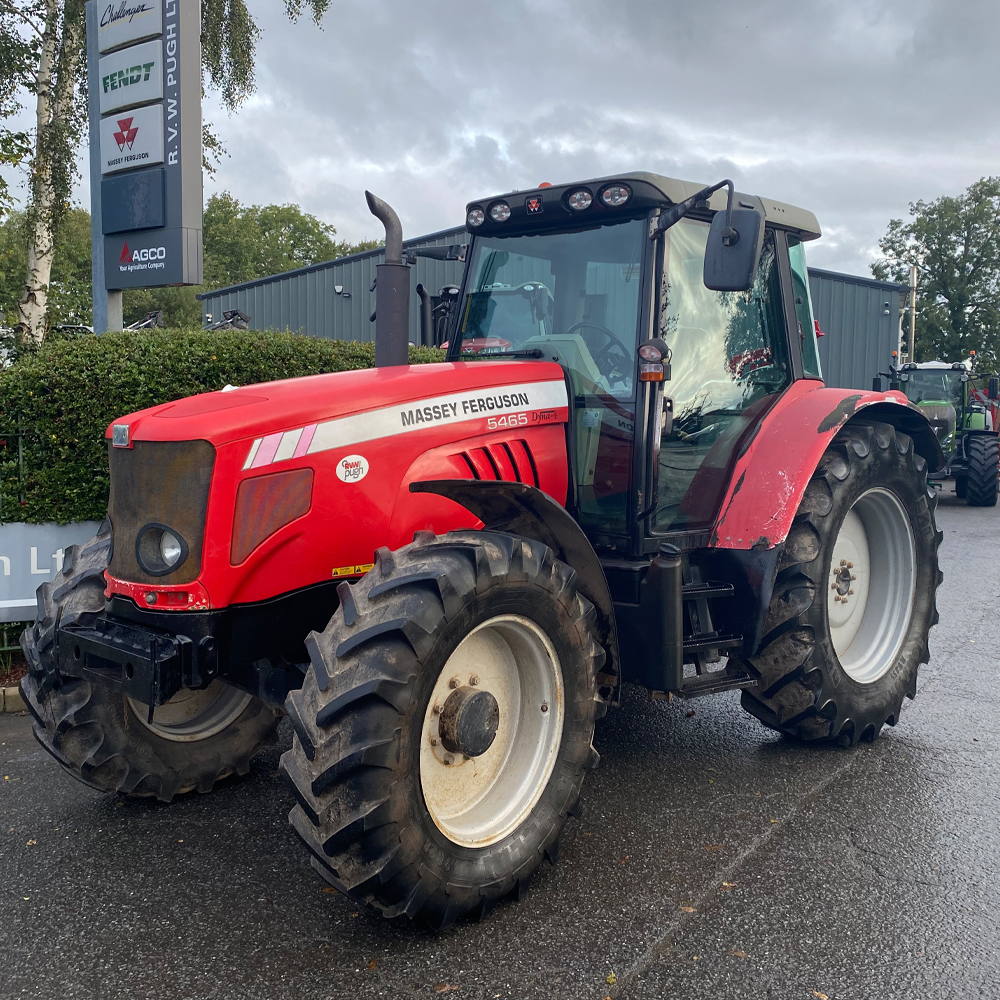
450	391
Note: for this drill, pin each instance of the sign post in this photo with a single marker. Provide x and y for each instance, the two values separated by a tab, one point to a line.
144	76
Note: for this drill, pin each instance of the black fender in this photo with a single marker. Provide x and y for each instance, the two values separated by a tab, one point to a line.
524	510
911	421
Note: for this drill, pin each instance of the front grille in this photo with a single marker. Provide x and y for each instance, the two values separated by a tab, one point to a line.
163	482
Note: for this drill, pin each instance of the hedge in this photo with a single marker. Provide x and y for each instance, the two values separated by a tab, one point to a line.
56	404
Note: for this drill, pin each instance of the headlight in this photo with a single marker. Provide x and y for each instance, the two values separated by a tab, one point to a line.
159	549
615	195
580	200
500	212
170	548
476	217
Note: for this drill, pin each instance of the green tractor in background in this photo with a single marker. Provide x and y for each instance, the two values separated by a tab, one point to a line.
962	406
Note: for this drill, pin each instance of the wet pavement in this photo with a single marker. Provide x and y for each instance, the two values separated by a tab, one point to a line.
714	860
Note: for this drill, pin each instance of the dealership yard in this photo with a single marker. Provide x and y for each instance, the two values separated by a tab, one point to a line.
714	859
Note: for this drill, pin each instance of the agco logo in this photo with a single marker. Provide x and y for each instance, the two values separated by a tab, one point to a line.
141	256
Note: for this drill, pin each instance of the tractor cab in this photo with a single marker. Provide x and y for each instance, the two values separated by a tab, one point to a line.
582	274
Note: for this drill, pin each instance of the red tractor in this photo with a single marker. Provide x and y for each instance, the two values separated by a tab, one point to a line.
443	573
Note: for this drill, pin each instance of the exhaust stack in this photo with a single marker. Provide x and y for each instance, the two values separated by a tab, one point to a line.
392	291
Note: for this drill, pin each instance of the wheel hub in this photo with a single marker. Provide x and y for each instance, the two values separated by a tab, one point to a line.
492	730
872	585
469	721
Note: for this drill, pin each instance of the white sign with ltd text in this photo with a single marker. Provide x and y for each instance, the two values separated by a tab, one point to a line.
132	139
125	21
131	76
30	555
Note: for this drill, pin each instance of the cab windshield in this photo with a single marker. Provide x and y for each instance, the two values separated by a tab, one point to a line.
573	294
939	385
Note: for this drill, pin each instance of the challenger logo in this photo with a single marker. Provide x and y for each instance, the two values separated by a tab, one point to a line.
126	135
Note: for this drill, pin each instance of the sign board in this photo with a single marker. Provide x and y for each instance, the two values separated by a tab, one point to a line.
131	76
126	21
132	139
30	555
145	112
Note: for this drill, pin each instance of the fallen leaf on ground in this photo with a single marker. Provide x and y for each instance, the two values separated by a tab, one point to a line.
729	885
774	821
622	861
688	909
689	712
738	954
611	979
372	964
329	888
714	847
445	987
31	843
820	996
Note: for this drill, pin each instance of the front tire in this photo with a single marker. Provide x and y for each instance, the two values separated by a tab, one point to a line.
854	598
477	629
102	737
982	450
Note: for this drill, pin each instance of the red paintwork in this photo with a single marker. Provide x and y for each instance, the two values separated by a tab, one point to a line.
769	478
347	521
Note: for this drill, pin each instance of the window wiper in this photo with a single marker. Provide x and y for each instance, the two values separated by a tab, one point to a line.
531	352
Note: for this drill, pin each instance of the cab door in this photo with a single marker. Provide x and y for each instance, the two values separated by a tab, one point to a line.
730	361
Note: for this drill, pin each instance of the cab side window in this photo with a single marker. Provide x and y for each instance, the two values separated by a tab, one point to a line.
729	363
803	309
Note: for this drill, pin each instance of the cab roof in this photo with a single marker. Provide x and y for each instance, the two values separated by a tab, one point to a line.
649	189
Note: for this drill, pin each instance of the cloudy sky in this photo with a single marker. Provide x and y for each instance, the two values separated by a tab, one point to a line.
852	108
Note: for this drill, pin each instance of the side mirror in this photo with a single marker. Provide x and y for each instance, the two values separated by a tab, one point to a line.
994	388
733	250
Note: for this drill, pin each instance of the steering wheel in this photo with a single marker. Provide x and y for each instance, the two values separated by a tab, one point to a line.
605	357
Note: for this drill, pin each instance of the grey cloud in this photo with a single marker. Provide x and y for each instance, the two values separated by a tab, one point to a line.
851	108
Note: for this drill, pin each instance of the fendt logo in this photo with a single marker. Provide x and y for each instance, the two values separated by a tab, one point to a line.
148	258
126	135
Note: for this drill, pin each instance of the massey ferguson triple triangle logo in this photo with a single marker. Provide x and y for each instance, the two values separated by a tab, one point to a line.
127	135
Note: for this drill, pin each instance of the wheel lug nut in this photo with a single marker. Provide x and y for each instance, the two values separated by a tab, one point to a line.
850	592
473	680
437	709
833	586
434	741
545	708
843	562
454	683
449	760
850	565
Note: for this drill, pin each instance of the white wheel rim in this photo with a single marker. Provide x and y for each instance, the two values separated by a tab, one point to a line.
871	585
194	715
477	801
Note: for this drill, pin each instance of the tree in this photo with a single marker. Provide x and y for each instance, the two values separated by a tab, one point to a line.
43	56
245	242
69	299
955	243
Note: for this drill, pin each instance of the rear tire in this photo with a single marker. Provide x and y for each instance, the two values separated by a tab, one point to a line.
982	450
100	736
819	681
392	817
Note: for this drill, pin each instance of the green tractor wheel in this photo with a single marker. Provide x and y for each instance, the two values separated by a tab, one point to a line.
981	487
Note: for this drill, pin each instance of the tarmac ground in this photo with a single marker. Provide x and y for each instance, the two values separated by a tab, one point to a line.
714	860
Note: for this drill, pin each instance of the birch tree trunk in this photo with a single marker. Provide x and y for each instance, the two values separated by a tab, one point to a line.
55	110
